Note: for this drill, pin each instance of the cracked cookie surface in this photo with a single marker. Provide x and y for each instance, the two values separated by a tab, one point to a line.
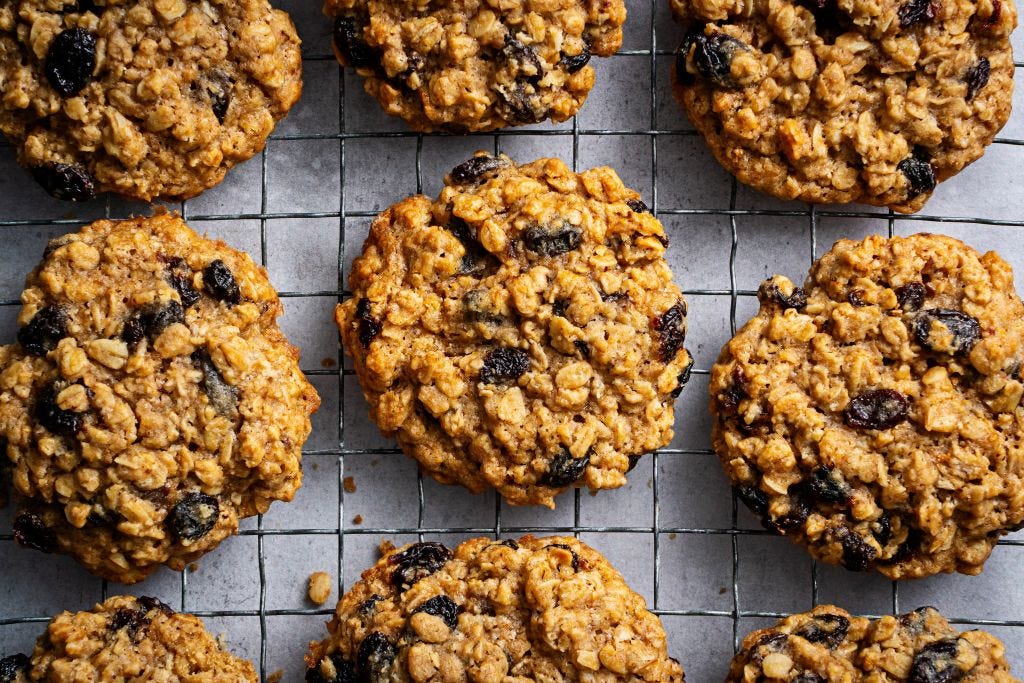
522	332
874	415
128	639
150	402
828	644
871	101
157	98
537	609
476	65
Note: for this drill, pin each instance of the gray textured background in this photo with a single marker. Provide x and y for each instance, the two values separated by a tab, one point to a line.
302	209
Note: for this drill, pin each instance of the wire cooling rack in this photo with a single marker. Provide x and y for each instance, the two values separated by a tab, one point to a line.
302	208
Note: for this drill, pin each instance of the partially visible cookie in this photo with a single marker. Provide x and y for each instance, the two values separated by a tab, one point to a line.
537	609
127	639
871	101
150	402
828	644
522	331
874	415
154	98
468	65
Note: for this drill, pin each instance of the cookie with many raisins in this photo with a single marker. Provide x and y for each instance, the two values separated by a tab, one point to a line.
536	609
150	402
828	644
146	99
465	65
874	415
522	331
871	101
127	639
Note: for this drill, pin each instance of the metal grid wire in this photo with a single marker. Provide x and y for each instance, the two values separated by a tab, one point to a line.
659	57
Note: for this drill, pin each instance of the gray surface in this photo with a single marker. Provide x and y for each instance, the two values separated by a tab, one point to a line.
711	573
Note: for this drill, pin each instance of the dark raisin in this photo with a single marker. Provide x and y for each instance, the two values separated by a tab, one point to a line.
58	421
522	104
977	77
223	397
180	277
682	379
915	621
218	86
877	409
220	283
671	326
477	308
634	460
760	424
350	44
920	175
132	332
769	292
150	604
194	516
552	241
881	529
416	562
828	629
333	669
712	55
71	60
559	307
13	665
963	329
564	469
150	321
857	553
441	606
574	63
367	326
916	12
102	517
583	347
856	298
504	364
909	547
129	619
754	498
936	663
524	60
772	641
69	182
476	260
31	532
809	677
729	399
614	297
826	486
374	658
47	327
911	296
509	543
575	558
474	169
369	606
798	513
638	206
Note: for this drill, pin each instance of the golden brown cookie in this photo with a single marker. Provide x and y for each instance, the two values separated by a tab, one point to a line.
150	402
522	332
874	415
537	609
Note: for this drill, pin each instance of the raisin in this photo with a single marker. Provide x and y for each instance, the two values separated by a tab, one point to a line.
614	297
920	175
218	90
977	77
476	260
915	621
474	169
416	562
575	558
522	103
374	659
151	604
881	529
509	543
476	306
761	424
682	379
824	486
909	547
524	60
194	516
58	421
827	629
220	283
504	364
809	677
671	326
772	641
367	327
552	241
911	296
350	44
47	327
856	298
877	409
71	60
770	292
150	321
754	498
223	397
583	347
574	63
559	308
13	665
31	532
729	400
857	553
333	669
936	663
638	206
369	606
798	513
129	619
564	470
712	55
180	278
441	606
964	330
69	182
916	12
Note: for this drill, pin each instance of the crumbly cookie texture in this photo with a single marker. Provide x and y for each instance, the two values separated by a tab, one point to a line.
828	644
537	609
522	332
151	400
874	416
871	101
127	639
149	98
476	65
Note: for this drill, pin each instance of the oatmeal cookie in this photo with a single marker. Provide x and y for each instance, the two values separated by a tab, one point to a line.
874	416
871	101
522	332
828	644
537	609
471	65
150	98
127	639
150	401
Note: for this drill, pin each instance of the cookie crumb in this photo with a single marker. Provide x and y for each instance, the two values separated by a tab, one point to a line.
319	587
276	677
350	484
358	519
328	363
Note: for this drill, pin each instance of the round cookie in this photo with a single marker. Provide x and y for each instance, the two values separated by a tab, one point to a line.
522	332
127	639
828	644
151	401
874	415
540	609
846	101
154	98
469	65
